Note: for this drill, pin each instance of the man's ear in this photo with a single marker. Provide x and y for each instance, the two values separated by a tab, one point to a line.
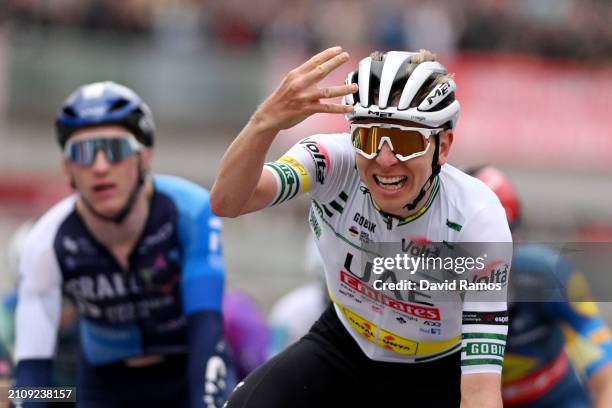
146	156
68	174
446	140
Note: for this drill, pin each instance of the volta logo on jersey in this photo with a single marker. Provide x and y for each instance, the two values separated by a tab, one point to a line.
320	158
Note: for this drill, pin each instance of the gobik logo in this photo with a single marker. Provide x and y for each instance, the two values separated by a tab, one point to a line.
364	222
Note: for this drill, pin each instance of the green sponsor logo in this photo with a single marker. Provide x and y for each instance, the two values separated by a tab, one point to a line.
485	349
453	225
316	228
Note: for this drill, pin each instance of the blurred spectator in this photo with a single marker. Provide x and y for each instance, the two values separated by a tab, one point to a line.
567	28
291	27
431	25
344	22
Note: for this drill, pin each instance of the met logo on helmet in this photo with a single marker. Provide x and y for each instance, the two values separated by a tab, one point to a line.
437	95
380	114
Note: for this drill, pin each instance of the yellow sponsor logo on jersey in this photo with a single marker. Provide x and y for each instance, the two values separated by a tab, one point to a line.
392	341
582	351
579	294
364	327
299	168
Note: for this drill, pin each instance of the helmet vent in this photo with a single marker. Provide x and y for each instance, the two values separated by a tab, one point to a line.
68	111
119	104
425	89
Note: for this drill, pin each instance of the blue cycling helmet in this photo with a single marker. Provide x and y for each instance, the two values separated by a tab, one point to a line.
105	103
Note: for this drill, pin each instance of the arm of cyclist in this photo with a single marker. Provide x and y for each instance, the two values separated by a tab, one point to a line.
481	391
37	317
485	316
209	371
241	185
202	282
600	384
37	325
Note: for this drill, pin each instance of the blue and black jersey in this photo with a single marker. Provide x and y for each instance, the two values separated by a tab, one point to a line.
166	303
540	370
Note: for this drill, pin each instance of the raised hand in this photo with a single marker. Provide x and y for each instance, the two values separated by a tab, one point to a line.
299	96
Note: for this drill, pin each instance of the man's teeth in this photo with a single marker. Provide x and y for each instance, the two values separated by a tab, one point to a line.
391	183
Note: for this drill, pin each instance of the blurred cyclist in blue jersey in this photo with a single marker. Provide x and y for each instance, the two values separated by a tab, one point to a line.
538	372
245	328
139	255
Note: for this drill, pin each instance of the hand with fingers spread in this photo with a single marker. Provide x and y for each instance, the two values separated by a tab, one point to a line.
241	186
299	96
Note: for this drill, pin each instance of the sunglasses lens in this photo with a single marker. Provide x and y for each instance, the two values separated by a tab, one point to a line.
408	142
83	152
360	138
405	142
117	150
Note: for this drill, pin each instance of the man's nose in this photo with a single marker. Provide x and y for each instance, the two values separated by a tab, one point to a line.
101	163
385	157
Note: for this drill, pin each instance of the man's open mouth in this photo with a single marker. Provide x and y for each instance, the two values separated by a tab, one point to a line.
103	187
391	183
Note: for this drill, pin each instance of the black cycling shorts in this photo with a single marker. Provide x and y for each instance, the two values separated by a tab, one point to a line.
162	385
326	368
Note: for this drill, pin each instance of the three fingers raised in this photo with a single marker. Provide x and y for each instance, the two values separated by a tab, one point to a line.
331	92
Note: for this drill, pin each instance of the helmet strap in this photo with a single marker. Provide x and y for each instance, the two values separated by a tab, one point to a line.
435	170
129	204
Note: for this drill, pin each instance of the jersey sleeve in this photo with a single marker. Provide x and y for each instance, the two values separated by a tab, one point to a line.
199	230
317	165
485	315
39	296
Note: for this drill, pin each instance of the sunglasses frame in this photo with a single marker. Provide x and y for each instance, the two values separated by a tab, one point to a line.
425	132
134	144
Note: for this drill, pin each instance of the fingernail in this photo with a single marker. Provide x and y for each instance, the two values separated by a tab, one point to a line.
337	48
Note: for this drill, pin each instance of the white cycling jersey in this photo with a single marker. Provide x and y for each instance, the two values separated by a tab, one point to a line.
414	325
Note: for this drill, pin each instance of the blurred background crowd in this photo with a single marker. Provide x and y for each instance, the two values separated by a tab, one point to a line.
534	80
558	28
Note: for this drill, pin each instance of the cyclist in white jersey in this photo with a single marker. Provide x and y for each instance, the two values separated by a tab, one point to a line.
385	182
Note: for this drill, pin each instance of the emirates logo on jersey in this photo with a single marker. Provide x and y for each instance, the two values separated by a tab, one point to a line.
415	310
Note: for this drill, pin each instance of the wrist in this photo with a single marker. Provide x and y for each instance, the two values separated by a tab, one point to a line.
262	125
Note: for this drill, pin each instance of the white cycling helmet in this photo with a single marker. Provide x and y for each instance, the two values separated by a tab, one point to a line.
392	86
